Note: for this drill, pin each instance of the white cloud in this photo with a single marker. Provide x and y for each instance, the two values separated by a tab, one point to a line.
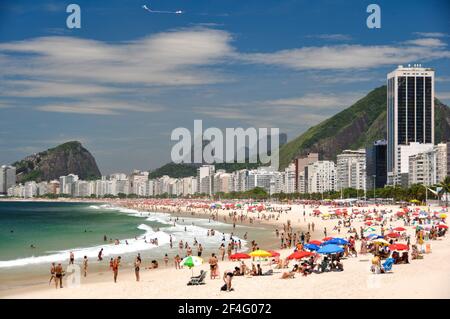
169	58
431	34
67	67
341	57
427	42
317	100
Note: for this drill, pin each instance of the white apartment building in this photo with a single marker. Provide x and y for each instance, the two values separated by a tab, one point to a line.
320	177
205	179
66	184
289	179
403	153
429	167
351	169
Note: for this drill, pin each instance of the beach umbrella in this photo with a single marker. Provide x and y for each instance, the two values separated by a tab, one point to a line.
260	253
330	249
315	242
240	256
311	247
398	247
393	235
369	229
336	241
372	236
381	241
442	226
300	255
274	253
191	262
327	238
399	229
442	215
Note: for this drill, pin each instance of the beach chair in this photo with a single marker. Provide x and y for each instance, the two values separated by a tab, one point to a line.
387	265
198	280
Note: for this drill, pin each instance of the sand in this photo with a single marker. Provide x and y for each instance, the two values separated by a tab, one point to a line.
426	278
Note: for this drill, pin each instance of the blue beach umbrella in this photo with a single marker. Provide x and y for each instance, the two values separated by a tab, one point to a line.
311	247
336	241
330	249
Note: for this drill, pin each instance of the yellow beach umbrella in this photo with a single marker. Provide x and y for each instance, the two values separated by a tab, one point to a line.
442	215
260	253
381	241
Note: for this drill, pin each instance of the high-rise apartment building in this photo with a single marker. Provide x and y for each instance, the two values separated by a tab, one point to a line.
351	169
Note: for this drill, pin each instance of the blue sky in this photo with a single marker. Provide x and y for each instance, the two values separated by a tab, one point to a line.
128	77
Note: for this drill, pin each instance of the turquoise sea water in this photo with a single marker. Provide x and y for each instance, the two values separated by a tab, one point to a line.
55	229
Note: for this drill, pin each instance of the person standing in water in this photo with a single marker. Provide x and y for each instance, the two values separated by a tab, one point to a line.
52	273
85	265
100	253
115	267
137	265
71	258
58	276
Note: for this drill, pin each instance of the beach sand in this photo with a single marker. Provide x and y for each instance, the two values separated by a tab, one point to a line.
426	278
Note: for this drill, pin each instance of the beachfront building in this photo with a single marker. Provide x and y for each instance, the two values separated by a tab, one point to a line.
67	184
83	188
300	164
261	177
428	168
403	154
240	180
30	189
320	177
205	179
289	179
53	187
442	158
17	190
7	178
138	182
376	165
223	182
410	115
351	169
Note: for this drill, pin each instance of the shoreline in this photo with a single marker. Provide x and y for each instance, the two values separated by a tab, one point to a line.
97	272
427	278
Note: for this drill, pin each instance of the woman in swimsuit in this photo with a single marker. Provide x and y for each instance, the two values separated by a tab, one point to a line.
137	265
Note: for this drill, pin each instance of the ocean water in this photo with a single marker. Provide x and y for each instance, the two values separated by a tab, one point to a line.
55	229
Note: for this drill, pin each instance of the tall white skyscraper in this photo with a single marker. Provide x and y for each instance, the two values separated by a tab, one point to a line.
410	112
7	178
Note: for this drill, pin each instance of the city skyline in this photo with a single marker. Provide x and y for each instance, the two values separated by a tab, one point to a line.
239	71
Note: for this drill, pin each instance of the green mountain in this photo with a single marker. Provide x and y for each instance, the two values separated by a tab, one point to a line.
67	158
355	127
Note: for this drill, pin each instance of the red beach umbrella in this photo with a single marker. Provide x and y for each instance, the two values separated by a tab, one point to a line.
398	247
274	253
240	256
300	255
442	226
315	242
327	238
399	229
393	235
